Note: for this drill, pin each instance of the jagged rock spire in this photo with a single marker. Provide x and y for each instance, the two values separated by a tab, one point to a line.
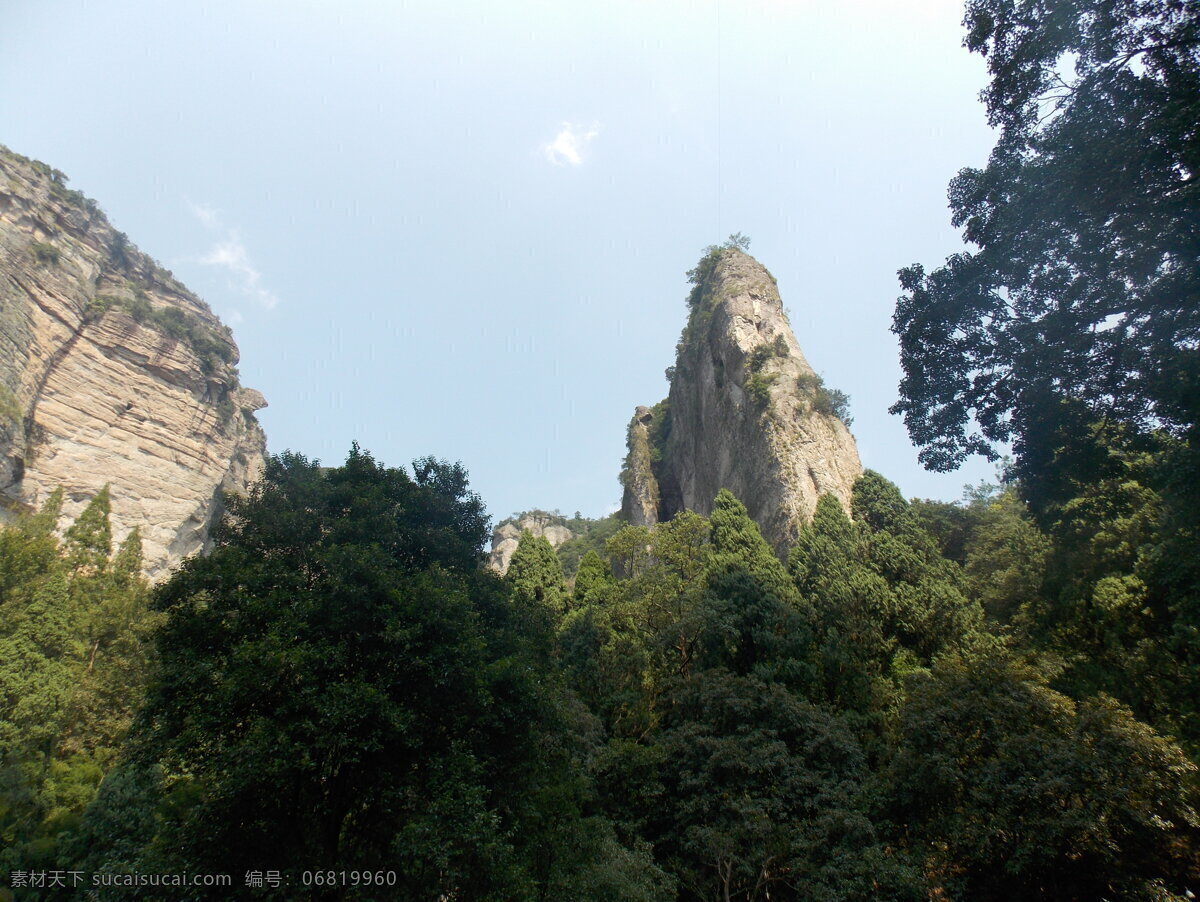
745	412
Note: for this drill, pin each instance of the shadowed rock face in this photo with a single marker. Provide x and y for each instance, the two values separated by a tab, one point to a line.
111	372
745	413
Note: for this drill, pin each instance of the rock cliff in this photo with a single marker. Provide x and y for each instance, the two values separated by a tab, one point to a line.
112	372
507	535
745	412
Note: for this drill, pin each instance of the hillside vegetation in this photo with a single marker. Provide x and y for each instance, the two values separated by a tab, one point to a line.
990	700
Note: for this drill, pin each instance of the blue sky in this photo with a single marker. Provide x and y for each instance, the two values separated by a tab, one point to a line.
463	228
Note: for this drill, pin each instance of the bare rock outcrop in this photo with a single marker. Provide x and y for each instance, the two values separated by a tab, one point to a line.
507	535
745	412
639	502
112	372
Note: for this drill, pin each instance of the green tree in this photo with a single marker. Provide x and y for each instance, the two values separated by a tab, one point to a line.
593	580
536	576
1011	790
88	541
764	796
928	611
738	544
850	603
1006	558
342	684
1083	280
74	657
885	603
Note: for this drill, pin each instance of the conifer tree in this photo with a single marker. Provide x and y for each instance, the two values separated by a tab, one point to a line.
536	575
74	655
737	544
593	580
88	541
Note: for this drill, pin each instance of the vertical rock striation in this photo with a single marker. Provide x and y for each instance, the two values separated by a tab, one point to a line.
745	412
639	502
111	372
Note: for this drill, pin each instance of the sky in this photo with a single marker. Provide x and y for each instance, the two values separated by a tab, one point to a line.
462	229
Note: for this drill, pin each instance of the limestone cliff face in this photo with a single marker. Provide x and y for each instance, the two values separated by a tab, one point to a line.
507	536
112	372
745	412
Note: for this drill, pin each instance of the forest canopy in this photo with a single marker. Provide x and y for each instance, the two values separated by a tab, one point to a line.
993	699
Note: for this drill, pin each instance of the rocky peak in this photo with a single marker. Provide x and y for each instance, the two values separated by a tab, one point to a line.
745	412
112	372
507	535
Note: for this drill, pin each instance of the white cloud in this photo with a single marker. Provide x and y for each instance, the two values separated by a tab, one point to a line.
231	254
206	214
568	145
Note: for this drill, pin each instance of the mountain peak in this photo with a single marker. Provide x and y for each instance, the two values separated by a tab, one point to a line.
746	412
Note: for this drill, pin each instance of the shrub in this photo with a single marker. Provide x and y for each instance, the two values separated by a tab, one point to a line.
45	254
764	352
10	407
212	349
758	387
822	399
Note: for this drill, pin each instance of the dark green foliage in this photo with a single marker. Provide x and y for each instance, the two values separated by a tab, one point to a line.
701	299
850	604
1083	281
928	610
1070	330
766	351
765	794
593	580
738	545
659	430
701	659
1118	592
74	655
336	614
343	686
88	541
691	720
739	241
536	577
1006	557
747	630
589	536
10	407
701	272
884	602
829	401
1014	791
699	275
120	252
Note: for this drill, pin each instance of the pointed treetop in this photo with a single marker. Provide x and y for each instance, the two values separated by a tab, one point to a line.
738	544
536	574
45	520
592	579
88	541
